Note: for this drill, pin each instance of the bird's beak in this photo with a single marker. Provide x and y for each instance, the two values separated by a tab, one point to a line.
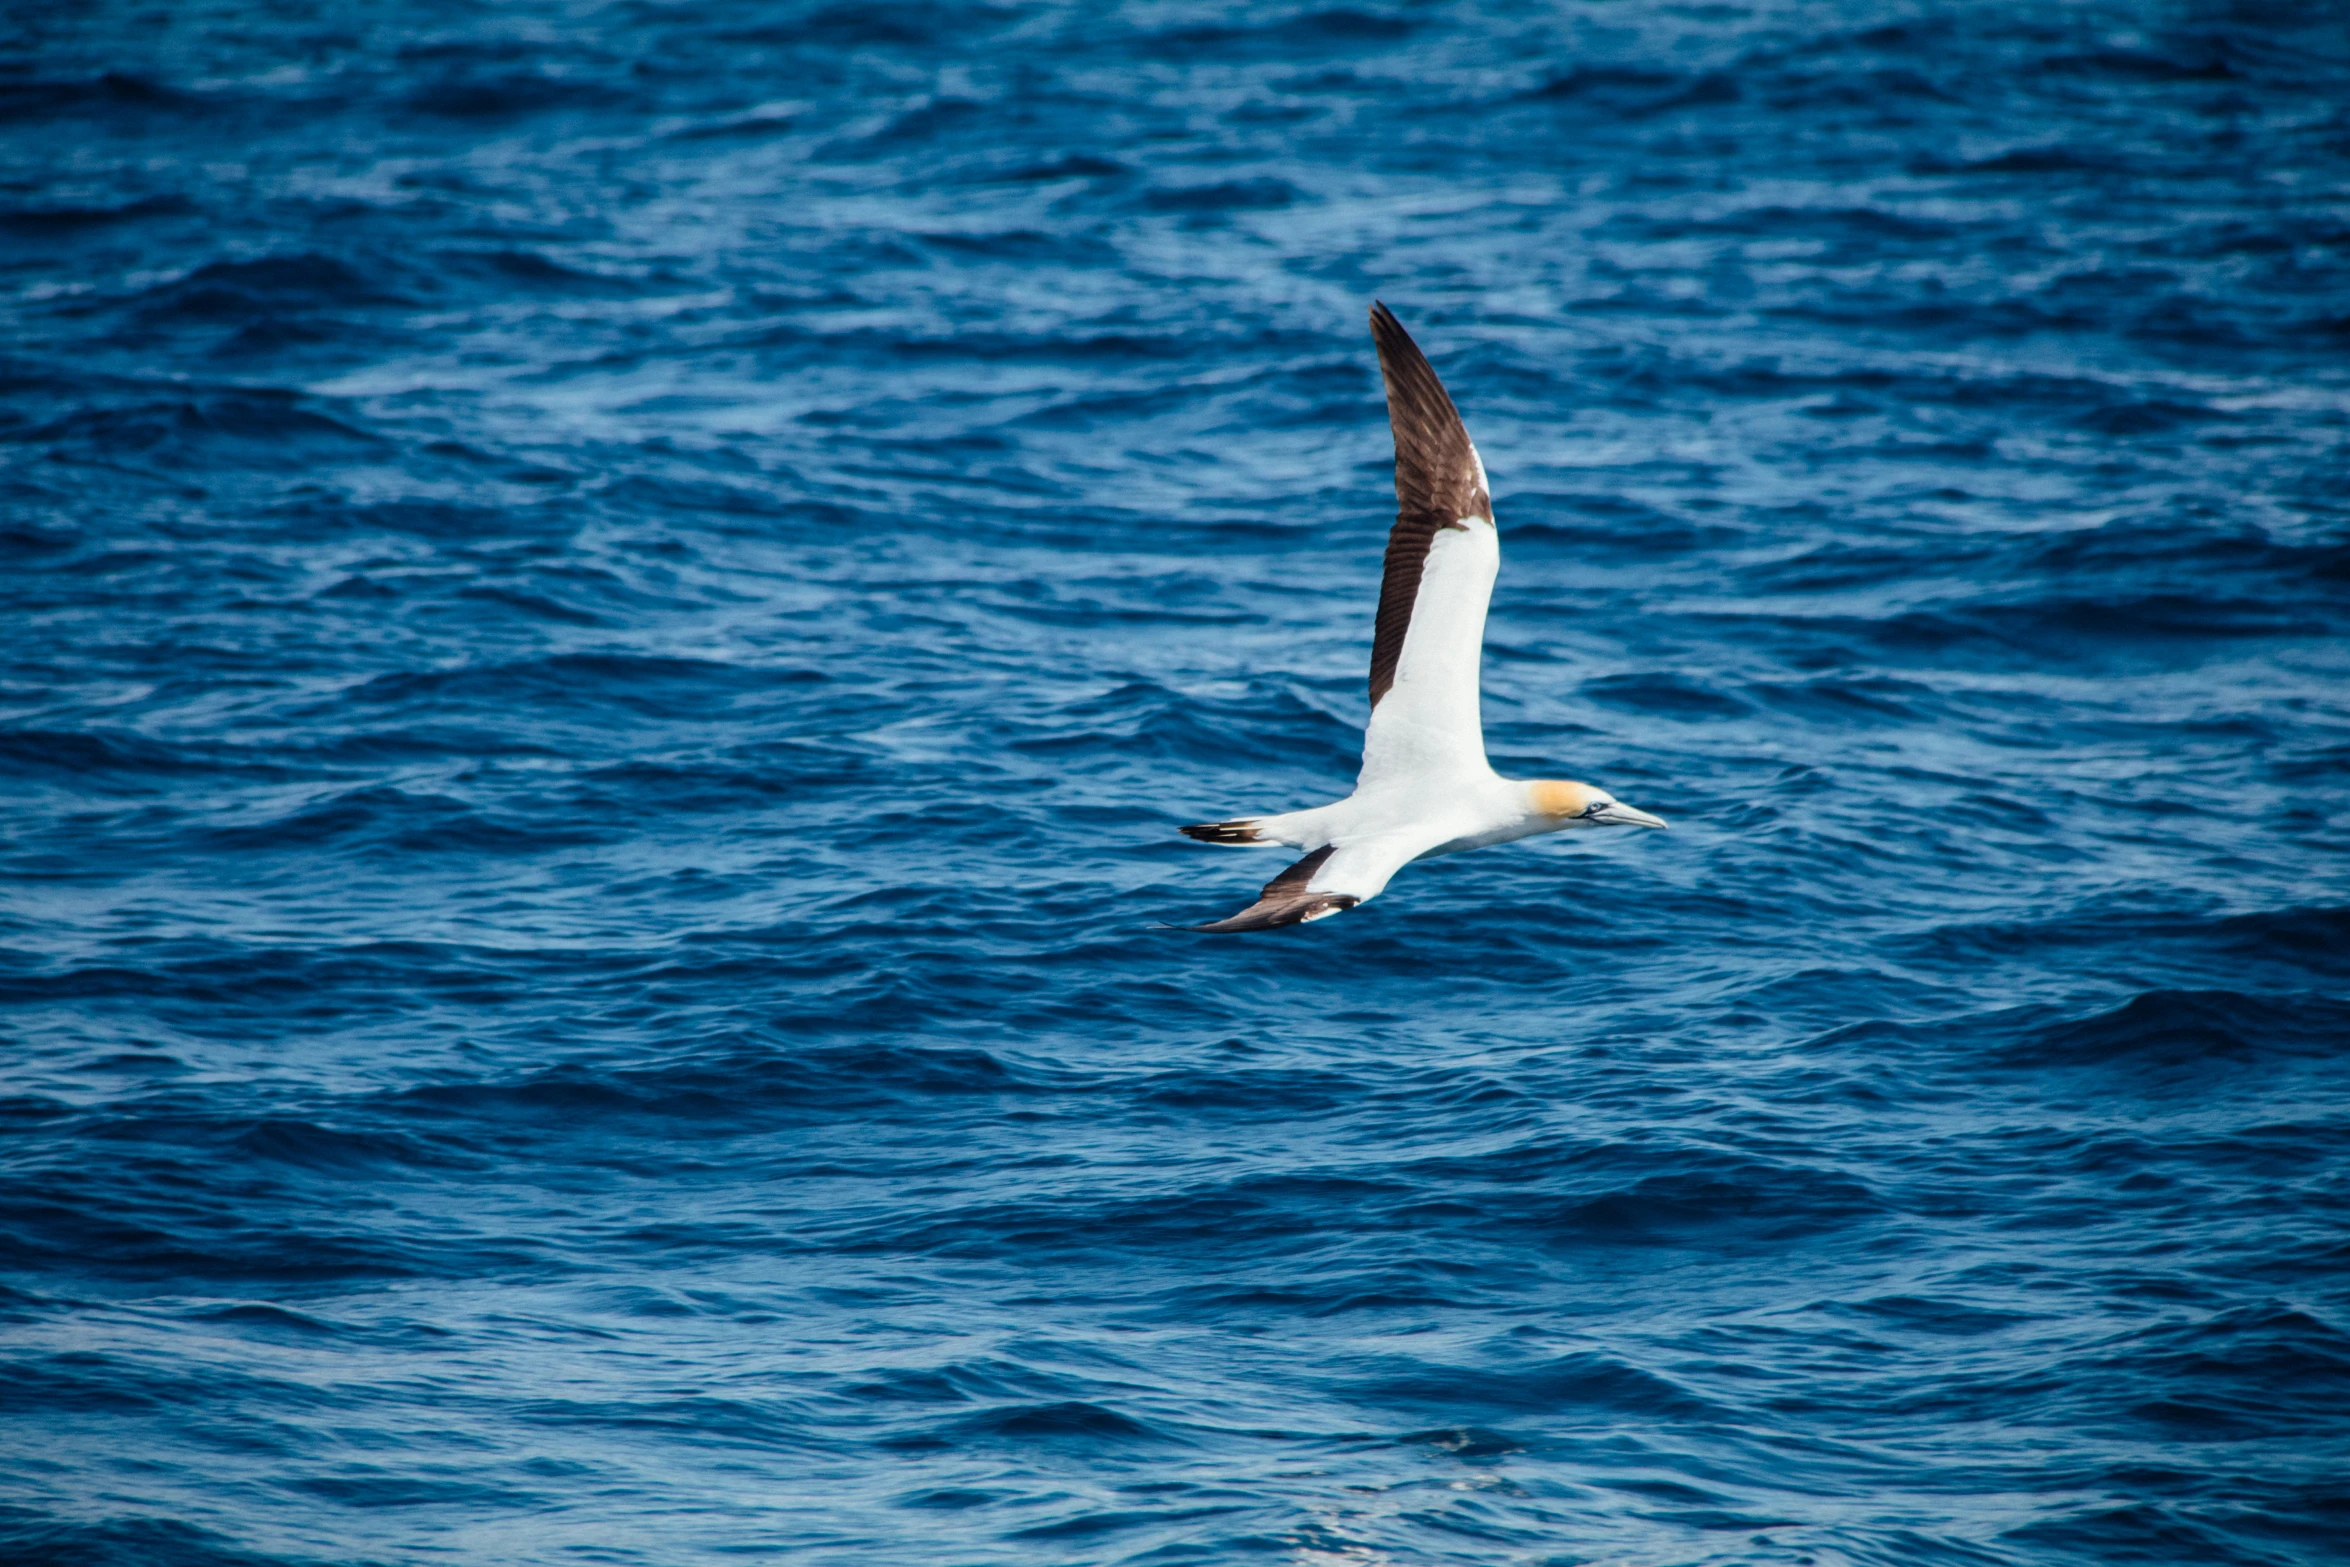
1617	814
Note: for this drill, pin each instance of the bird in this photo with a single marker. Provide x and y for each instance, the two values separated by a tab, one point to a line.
1425	787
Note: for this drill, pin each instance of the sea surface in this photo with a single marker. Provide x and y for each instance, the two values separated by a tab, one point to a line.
608	612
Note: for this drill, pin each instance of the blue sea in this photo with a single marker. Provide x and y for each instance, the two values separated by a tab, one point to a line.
608	612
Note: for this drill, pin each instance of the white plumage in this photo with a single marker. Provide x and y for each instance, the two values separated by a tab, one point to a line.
1425	787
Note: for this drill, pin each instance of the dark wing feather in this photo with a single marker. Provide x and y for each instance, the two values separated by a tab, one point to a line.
1285	900
1435	484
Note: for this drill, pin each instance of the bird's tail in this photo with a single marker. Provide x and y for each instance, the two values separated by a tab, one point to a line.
1236	835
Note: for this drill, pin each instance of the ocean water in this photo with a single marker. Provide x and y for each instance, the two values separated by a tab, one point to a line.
609	611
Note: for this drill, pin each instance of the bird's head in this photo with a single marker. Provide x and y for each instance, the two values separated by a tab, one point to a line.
1564	803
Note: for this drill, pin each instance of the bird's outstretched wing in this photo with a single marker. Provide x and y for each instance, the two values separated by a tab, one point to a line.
1441	559
1331	880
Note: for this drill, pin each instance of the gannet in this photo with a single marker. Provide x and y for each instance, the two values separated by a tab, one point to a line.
1425	787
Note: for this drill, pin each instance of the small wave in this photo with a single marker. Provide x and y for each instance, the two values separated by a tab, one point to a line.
770	1425
1069	1423
2043	160
711	496
1470	1444
1620	86
670	688
938	117
742	1086
512	95
1074	166
270	283
2303	942
1667	695
2156	417
1311	31
1758	1205
1935	1316
42	221
259	429
527	271
1148	720
396	820
2138	65
1260	194
752	127
266	1318
36	1538
306	1144
370	1487
1573	1387
112	93
90	757
1835	701
2168	1028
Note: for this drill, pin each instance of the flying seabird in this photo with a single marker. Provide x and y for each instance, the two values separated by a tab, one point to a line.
1425	787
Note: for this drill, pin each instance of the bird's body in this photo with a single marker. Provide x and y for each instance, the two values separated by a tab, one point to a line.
1425	787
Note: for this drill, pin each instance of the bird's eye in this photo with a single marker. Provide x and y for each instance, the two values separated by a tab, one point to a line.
1597	806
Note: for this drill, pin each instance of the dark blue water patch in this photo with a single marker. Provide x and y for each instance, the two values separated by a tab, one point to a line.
1074	1421
749	128
370	1490
492	95
1256	194
235	289
266	1319
1836	701
69	221
1150	722
527	270
694	1420
124	763
2281	942
1663	696
2145	1532
43	1228
107	96
2184	1037
38	1539
2222	1374
308	1146
1582	1388
735	1090
374	820
2162	1029
655	689
264	428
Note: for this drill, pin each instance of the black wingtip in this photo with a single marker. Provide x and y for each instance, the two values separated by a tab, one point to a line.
1400	357
1270	915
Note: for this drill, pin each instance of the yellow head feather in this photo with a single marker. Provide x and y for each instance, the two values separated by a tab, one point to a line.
1562	797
